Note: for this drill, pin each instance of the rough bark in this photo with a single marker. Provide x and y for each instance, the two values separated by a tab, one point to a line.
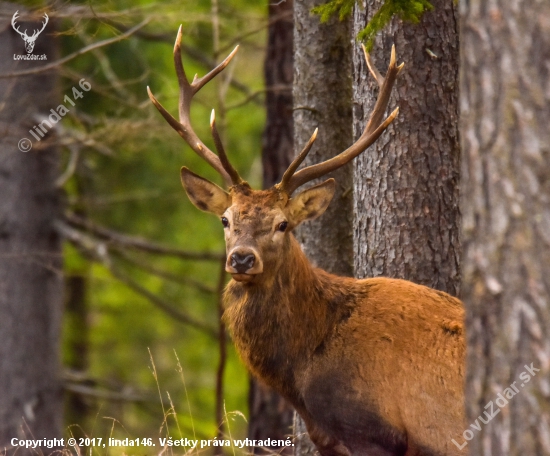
505	111
322	99
278	138
30	249
270	417
407	217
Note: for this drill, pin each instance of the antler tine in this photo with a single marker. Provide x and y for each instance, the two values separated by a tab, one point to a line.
45	22
37	32
13	22
373	129
199	83
386	85
187	91
235	178
297	162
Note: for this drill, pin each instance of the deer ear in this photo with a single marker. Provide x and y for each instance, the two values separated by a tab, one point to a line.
205	195
311	203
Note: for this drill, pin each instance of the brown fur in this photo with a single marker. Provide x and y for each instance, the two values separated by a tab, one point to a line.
374	366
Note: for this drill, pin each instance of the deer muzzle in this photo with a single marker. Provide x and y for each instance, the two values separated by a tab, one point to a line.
243	263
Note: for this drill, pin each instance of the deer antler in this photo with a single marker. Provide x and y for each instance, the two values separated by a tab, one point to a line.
24	34
183	127
36	32
13	21
374	128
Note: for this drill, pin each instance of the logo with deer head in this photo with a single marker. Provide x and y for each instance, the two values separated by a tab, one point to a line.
29	40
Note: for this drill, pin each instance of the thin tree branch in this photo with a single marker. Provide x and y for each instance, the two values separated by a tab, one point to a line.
162	304
222	344
85	12
115	83
191	52
278	88
97	393
71	166
239	38
139	243
221	92
81	51
105	91
163	274
98	252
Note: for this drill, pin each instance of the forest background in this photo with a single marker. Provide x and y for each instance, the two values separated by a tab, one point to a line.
140	271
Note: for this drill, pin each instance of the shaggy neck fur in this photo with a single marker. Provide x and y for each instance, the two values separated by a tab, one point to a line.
278	324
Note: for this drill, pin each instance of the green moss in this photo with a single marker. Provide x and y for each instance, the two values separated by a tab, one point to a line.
406	10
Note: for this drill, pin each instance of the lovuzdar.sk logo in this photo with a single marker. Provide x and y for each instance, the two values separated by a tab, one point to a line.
29	40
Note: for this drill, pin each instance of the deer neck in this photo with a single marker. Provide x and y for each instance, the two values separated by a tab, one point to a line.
277	324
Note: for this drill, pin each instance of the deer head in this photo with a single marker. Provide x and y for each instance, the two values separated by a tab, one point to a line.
257	223
29	40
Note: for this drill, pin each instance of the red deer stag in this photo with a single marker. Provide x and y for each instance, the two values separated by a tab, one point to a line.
373	366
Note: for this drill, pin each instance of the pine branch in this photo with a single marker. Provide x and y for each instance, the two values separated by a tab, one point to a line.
406	10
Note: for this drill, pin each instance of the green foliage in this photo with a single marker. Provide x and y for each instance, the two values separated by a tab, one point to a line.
407	10
127	179
341	7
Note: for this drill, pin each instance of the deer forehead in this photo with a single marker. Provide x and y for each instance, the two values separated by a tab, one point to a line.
256	206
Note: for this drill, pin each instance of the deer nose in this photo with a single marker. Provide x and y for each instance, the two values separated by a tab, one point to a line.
242	262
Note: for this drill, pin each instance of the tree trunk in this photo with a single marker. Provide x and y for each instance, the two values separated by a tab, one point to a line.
322	98
270	415
278	138
30	249
505	91
77	348
407	218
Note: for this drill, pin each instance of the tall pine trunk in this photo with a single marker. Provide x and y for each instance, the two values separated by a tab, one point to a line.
407	217
322	99
278	138
30	249
505	100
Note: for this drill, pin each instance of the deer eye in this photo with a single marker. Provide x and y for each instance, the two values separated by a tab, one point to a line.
282	226
225	222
